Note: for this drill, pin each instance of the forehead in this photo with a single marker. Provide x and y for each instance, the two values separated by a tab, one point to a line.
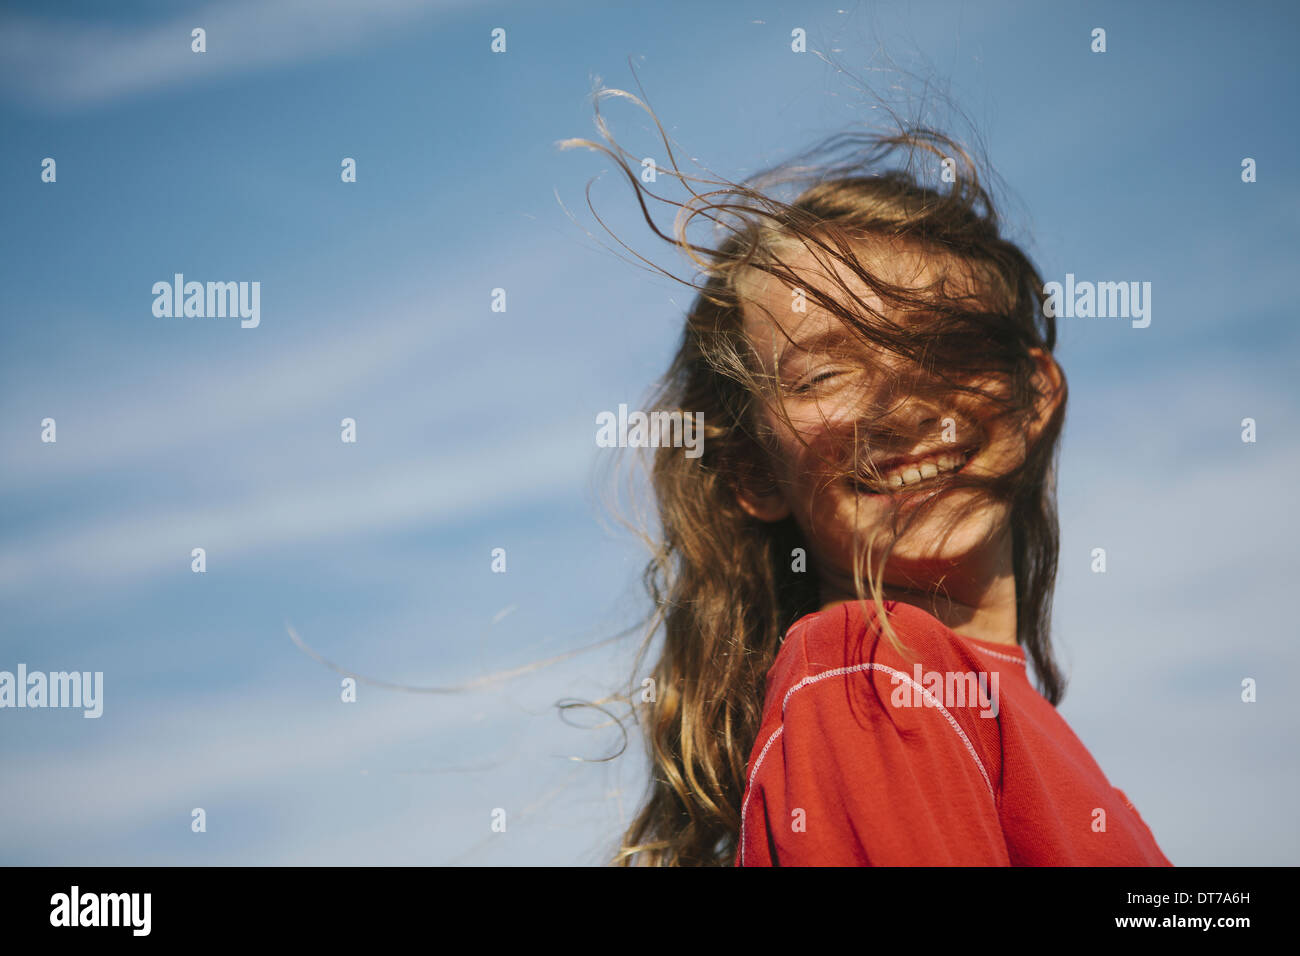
771	321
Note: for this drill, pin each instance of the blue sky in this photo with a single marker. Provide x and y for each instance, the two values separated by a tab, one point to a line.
476	428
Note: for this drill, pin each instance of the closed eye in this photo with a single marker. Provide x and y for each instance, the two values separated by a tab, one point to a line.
819	377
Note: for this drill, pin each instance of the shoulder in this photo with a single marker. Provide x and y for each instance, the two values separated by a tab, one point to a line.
840	685
877	764
849	641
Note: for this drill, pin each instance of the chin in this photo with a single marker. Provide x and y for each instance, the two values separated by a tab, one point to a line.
950	532
945	538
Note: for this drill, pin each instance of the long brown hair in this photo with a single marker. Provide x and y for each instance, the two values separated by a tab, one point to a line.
722	583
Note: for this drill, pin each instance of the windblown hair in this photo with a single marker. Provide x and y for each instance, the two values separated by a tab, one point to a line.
721	581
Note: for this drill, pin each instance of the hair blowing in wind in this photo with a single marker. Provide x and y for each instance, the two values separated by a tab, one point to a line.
944	354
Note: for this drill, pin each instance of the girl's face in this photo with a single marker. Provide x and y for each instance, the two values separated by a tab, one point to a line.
865	436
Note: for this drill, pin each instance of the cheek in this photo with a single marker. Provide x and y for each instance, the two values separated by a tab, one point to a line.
1005	450
817	438
1002	436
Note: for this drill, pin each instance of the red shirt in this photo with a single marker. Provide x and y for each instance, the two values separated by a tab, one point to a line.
949	757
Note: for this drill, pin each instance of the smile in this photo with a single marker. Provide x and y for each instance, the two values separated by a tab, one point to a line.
899	474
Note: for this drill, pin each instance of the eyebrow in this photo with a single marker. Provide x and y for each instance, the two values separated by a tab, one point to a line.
814	343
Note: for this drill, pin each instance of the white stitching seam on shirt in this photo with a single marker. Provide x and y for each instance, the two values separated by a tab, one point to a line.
840	671
1006	657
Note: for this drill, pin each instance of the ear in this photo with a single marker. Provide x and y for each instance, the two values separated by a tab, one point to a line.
762	499
1049	380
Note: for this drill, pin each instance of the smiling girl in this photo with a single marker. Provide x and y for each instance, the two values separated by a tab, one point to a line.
853	578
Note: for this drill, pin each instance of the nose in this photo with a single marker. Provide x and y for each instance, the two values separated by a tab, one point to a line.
901	418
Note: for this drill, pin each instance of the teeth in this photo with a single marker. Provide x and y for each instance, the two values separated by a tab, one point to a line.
914	472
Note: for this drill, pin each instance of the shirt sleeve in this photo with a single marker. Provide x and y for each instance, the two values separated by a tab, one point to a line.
852	773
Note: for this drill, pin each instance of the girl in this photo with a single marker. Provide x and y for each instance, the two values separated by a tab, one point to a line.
852	578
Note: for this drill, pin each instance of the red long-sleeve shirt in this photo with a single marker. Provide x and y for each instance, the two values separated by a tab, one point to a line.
867	757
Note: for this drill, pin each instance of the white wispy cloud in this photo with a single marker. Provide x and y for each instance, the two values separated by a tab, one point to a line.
461	483
63	63
270	742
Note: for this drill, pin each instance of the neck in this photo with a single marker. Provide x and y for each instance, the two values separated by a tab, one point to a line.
976	600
